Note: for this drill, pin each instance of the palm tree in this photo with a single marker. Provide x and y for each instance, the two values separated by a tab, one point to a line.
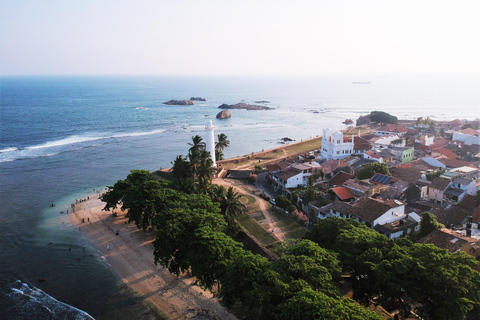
197	144
231	207
222	143
180	169
204	170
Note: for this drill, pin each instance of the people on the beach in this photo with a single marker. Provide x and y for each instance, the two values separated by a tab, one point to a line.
108	247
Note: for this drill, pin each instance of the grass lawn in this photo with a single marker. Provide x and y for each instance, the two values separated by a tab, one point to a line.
293	229
258	216
247	199
256	230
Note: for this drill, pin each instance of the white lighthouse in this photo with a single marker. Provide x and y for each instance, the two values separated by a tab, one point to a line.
210	140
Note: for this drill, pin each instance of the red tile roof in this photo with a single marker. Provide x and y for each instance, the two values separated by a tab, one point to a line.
373	154
370	209
447	153
469	131
343	193
440	183
392	128
340	178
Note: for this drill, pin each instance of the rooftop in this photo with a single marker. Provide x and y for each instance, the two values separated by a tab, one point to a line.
446	239
343	193
370	209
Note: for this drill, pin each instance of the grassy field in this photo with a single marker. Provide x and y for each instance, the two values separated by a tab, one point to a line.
256	230
247	199
292	229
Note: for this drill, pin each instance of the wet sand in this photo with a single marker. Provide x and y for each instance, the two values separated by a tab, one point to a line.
130	255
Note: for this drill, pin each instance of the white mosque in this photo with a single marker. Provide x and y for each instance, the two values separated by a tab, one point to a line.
210	140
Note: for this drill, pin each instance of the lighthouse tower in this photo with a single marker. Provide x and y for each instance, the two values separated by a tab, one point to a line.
210	140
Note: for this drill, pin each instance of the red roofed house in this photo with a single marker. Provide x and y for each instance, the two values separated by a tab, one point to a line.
342	194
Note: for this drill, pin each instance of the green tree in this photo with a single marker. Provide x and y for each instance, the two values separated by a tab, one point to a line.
181	169
222	142
176	227
282	202
477	198
140	195
326	231
231	207
383	117
309	304
368	170
428	224
443	285
209	255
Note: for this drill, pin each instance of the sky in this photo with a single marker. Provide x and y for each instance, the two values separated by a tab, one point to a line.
218	37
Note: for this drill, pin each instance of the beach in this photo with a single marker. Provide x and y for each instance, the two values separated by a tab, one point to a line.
130	255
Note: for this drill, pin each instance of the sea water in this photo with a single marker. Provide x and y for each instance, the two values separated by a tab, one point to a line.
62	137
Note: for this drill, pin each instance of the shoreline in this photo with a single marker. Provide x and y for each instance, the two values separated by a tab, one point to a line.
130	255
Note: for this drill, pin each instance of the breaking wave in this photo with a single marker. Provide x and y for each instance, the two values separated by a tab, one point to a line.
20	301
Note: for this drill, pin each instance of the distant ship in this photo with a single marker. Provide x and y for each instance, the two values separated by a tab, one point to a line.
361	82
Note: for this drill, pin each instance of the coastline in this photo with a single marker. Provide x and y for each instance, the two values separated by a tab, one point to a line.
130	255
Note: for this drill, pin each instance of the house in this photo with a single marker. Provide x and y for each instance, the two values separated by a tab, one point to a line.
342	194
385	141
372	155
390	129
403	154
360	188
437	189
339	178
401	190
449	240
400	228
372	211
468	136
295	175
425	139
336	146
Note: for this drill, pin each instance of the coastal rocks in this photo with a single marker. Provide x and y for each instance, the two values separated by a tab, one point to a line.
262	101
363	120
198	99
348	121
179	102
244	106
224	114
285	140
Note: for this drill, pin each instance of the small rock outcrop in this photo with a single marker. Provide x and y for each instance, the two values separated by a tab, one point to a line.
198	99
348	121
244	106
262	101
224	114
179	102
363	120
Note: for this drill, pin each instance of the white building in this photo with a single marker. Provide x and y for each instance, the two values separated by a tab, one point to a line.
468	136
210	140
334	146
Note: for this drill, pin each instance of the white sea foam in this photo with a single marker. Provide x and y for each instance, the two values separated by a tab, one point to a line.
30	302
8	149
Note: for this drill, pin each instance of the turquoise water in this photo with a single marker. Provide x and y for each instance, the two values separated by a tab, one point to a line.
61	137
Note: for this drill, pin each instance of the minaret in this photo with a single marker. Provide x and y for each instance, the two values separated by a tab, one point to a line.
210	141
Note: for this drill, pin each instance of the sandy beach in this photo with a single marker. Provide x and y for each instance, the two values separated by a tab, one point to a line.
130	255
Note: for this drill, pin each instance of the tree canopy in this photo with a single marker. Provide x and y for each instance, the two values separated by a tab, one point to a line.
383	117
368	170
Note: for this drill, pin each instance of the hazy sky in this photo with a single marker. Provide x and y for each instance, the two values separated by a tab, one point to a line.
239	37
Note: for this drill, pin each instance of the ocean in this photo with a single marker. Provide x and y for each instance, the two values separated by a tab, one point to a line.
63	136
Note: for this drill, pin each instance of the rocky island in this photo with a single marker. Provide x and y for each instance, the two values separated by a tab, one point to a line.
244	106
224	114
179	102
